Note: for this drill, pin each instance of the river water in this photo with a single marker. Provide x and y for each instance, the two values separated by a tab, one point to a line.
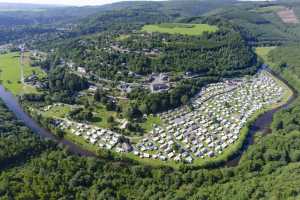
262	124
13	105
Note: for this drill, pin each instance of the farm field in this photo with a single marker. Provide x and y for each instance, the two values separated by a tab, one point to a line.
11	73
263	52
269	9
177	28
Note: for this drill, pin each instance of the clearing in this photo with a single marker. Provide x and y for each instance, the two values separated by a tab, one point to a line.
269	9
177	28
263	52
10	73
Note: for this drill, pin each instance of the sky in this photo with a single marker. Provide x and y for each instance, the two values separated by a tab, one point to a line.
64	2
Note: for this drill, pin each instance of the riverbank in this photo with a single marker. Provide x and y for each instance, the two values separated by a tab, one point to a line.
11	72
79	146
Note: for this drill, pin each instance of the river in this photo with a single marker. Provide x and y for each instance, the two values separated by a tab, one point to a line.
262	124
13	105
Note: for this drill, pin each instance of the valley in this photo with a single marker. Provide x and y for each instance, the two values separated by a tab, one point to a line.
150	100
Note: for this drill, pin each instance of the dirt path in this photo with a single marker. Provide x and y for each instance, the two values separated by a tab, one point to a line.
22	67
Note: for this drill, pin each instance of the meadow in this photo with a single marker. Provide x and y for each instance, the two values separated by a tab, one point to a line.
10	73
269	9
183	29
263	52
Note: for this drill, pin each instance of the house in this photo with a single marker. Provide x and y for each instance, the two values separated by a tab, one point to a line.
81	70
159	87
127	147
92	88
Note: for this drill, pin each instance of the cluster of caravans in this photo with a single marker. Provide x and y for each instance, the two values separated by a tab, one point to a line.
219	112
205	129
103	138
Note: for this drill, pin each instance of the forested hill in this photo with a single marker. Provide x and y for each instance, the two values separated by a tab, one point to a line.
259	22
43	23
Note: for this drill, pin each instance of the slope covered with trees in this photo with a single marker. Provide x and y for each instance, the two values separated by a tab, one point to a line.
269	169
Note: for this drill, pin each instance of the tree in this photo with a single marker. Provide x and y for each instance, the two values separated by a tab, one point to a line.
184	99
98	94
133	112
110	119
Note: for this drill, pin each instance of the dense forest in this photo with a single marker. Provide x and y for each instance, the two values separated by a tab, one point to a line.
268	170
261	28
45	24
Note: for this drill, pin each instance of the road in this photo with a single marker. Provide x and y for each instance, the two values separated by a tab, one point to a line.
22	67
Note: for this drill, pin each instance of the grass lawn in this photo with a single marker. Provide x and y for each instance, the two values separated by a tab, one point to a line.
101	114
11	73
148	124
29	70
58	111
177	28
122	37
263	52
81	141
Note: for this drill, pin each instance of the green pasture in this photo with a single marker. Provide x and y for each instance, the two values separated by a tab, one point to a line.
178	28
263	52
10	73
269	9
58	111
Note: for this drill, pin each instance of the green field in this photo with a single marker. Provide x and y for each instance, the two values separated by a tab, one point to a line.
263	52
10	75
176	28
148	124
122	37
59	111
269	9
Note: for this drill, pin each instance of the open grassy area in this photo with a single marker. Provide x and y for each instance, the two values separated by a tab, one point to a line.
148	124
263	52
177	28
269	9
11	73
58	111
101	116
122	37
29	70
